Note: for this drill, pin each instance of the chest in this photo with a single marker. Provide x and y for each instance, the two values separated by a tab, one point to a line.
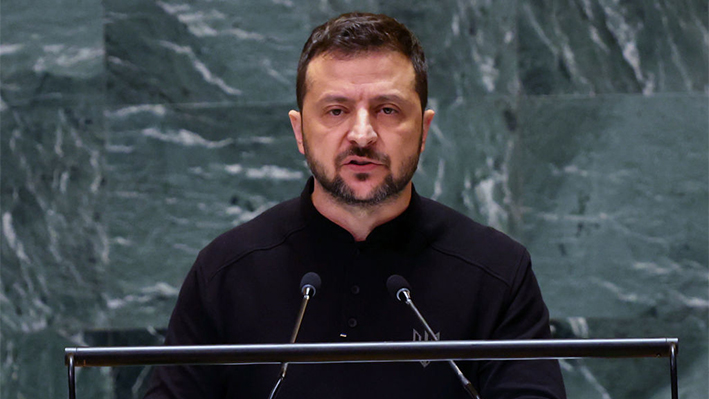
259	298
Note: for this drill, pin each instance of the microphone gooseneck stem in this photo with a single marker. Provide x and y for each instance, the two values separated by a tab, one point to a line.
463	380
308	291
410	303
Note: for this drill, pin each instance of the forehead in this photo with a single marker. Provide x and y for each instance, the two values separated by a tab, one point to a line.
363	73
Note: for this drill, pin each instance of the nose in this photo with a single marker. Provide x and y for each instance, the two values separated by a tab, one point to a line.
362	132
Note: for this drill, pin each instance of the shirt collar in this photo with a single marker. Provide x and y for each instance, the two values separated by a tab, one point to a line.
403	230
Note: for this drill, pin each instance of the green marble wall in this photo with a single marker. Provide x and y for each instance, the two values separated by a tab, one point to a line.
135	131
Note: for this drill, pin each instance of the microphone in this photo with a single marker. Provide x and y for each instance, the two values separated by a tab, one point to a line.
309	285
400	290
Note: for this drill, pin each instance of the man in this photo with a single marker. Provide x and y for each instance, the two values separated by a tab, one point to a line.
362	124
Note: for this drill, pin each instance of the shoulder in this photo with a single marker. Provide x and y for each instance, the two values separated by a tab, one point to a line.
454	234
266	231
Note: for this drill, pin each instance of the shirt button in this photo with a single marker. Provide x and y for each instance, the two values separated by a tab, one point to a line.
355	289
352	322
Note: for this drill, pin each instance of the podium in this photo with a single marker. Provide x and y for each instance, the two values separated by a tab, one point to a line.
372	352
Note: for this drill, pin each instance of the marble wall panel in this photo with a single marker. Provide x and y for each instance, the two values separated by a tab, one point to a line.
54	249
598	46
193	52
613	193
51	52
55	245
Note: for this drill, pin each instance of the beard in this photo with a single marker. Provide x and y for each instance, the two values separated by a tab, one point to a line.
389	189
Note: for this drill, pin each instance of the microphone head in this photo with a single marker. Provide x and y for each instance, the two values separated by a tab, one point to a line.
310	280
395	285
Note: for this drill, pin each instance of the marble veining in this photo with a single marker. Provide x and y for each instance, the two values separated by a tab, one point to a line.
133	132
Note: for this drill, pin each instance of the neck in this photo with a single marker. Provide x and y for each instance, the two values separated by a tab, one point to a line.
359	220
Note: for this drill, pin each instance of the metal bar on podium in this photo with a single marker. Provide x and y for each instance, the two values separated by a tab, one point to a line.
72	378
673	370
374	352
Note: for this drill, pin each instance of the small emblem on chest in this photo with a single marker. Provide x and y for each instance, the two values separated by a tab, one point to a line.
425	337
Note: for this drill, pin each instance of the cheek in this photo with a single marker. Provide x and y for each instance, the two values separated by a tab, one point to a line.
328	142
407	144
320	148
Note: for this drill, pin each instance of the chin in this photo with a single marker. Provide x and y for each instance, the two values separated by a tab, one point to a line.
363	189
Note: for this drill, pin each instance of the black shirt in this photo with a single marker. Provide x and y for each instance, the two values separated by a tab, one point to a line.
469	281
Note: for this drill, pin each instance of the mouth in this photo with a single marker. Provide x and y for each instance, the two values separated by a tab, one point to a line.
360	161
361	164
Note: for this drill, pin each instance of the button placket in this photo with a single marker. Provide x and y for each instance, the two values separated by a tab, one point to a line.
351	289
353	299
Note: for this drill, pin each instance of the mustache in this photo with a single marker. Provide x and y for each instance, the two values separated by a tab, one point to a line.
365	152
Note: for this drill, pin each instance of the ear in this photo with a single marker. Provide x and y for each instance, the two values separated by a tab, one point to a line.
296	124
427	119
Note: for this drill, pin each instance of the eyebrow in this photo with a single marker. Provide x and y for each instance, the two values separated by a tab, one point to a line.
334	98
340	99
394	98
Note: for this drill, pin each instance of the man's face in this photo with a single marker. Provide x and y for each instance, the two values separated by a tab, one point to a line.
361	128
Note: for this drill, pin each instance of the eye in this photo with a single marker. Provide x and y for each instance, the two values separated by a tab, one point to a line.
388	110
335	112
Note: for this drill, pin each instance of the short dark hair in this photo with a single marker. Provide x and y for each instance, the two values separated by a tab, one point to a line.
354	33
